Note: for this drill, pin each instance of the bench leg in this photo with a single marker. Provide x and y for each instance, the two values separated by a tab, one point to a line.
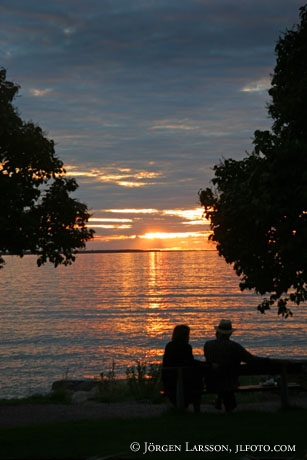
179	390
284	396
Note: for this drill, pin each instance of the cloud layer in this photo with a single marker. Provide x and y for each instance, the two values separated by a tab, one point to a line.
143	97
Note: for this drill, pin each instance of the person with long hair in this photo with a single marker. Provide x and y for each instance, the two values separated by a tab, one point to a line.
178	354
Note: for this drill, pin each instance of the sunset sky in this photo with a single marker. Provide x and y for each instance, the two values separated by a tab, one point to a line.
142	98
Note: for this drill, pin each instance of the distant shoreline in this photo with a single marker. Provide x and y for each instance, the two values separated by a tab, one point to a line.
110	251
92	251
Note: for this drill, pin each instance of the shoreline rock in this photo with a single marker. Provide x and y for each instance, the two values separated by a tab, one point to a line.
79	390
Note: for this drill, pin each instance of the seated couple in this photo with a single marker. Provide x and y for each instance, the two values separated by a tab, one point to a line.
223	358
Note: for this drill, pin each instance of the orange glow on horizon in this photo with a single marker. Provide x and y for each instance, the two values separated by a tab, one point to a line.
153	241
150	229
167	235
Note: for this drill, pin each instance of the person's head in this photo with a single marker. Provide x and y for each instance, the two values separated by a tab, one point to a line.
181	333
224	329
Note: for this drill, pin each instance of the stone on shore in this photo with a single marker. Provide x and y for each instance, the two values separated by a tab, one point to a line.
80	390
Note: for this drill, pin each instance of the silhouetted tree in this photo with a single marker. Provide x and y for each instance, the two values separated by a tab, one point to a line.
257	206
37	213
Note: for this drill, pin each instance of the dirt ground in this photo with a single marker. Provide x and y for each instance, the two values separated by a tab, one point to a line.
27	414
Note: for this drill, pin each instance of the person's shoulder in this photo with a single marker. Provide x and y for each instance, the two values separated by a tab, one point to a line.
210	342
169	345
235	344
176	345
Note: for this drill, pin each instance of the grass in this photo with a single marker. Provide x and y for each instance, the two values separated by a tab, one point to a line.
56	397
85	439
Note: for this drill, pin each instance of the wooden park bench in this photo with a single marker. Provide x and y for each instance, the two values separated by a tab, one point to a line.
277	373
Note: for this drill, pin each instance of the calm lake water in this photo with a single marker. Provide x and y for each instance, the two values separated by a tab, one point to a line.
122	307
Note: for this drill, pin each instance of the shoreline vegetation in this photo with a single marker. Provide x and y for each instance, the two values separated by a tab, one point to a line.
142	383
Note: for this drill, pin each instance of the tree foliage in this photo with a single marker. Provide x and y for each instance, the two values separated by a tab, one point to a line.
257	206
37	213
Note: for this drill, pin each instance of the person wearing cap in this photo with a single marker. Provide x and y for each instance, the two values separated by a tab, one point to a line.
225	355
